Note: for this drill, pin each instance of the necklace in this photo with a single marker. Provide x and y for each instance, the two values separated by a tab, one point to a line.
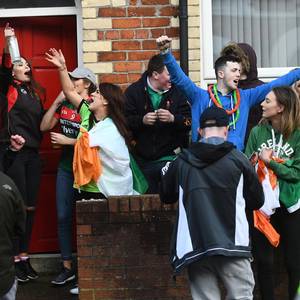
213	93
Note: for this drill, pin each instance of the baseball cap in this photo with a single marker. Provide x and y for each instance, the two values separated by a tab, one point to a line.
214	117
82	72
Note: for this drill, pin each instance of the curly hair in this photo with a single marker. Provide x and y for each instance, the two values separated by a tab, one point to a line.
233	49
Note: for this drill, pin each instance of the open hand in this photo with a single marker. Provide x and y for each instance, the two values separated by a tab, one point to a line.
163	42
56	57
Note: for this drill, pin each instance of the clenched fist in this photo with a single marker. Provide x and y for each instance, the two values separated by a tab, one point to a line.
163	43
164	115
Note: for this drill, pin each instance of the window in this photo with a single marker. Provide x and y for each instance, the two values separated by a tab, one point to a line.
271	27
35	3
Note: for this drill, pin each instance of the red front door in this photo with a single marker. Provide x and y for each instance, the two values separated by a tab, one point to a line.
35	36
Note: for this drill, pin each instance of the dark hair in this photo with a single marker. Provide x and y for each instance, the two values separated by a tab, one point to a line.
115	108
35	88
290	117
156	64
92	87
222	61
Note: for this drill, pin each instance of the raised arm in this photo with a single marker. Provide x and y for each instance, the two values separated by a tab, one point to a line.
6	70
8	32
57	58
258	94
178	77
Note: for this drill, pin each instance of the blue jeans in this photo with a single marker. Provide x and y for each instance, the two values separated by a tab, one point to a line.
65	203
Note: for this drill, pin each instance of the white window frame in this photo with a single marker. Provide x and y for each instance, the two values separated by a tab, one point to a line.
52	11
208	74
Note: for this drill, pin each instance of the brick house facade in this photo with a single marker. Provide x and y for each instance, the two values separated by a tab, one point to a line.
118	40
119	36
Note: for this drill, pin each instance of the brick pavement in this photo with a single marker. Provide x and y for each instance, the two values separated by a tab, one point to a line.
41	289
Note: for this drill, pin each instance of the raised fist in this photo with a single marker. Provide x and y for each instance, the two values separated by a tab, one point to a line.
163	42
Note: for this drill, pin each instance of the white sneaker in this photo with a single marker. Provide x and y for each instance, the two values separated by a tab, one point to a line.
74	290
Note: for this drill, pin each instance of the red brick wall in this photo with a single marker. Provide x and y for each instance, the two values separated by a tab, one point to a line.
123	250
135	28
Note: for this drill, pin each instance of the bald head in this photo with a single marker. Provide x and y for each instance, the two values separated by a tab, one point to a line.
207	132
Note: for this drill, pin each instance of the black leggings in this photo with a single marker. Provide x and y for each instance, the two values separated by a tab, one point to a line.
25	171
288	226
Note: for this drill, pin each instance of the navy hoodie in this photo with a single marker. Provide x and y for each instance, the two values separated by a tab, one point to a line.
214	184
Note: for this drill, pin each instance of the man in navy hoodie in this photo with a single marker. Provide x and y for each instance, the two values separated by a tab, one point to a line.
214	183
225	93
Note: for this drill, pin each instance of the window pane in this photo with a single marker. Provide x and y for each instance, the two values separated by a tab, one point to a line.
35	3
271	27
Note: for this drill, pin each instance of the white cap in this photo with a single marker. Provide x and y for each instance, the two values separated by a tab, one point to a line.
81	73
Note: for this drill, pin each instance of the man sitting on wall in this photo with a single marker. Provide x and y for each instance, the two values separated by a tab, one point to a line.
159	118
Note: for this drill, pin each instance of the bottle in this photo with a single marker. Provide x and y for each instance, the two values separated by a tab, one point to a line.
14	49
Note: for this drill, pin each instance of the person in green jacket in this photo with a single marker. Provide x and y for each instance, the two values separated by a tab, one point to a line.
278	137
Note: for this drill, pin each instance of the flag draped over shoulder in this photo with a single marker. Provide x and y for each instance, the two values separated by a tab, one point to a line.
140	184
117	177
86	162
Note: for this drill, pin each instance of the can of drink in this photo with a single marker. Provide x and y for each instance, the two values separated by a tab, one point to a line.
54	144
14	49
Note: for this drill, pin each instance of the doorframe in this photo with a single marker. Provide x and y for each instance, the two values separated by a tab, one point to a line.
52	11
